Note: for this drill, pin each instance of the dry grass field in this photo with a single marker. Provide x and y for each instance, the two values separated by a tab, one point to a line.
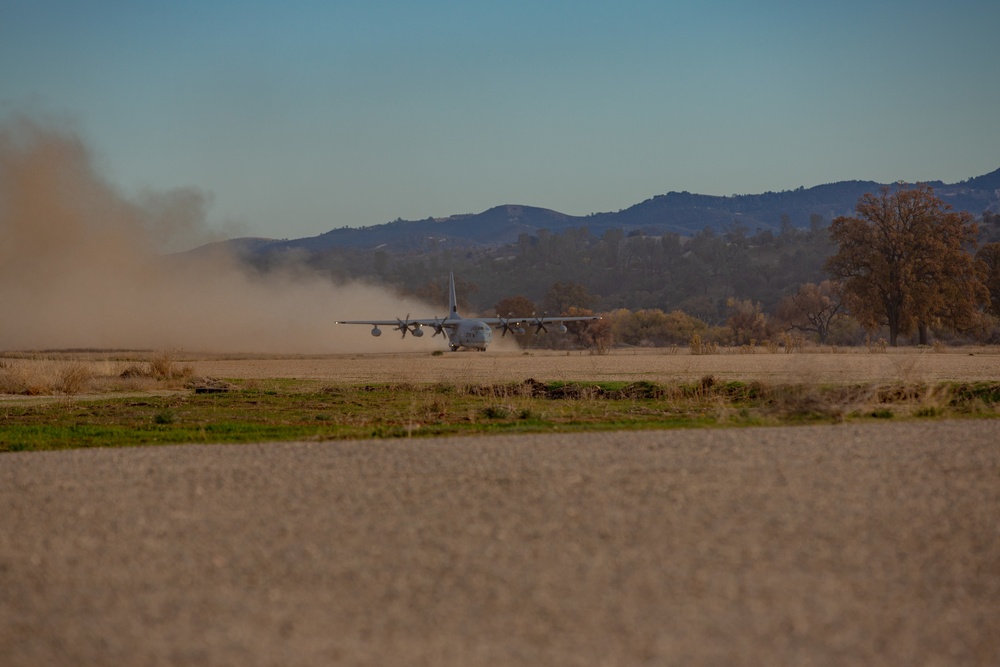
865	543
820	366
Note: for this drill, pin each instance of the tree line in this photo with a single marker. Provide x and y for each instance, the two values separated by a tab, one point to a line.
904	266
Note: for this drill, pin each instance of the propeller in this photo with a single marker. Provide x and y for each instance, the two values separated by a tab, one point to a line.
404	325
505	325
438	327
540	324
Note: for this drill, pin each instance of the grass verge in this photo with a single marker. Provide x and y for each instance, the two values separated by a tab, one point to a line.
260	410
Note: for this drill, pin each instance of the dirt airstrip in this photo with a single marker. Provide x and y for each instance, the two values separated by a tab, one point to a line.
967	364
874	544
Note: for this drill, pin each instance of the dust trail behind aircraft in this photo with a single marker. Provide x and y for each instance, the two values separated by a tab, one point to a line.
83	266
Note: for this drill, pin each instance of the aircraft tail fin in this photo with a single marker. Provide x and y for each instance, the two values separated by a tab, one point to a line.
452	301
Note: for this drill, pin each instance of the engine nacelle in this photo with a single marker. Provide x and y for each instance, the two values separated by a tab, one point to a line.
561	328
376	332
417	331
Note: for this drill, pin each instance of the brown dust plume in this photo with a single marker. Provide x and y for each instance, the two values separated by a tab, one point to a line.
84	266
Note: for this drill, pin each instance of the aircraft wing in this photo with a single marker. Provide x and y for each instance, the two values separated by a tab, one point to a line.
385	323
528	320
495	321
405	326
518	324
433	322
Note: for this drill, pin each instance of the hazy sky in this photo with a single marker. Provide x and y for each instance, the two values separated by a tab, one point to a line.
298	117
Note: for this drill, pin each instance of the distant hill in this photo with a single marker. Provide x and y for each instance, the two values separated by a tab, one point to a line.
678	212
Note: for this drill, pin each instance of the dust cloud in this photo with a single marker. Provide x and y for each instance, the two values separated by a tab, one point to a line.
84	266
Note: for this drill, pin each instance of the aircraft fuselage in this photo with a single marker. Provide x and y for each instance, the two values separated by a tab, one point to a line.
470	333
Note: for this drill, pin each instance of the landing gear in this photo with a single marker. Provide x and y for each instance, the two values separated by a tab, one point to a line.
454	348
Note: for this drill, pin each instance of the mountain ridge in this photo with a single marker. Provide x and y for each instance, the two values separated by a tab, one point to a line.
682	213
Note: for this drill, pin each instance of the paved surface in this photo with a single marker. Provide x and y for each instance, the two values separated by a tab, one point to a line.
834	545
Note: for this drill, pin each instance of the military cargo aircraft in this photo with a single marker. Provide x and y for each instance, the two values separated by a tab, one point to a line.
474	333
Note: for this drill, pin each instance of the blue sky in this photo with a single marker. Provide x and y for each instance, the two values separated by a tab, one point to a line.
299	117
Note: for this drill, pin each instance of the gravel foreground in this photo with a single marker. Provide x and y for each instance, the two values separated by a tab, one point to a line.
874	544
